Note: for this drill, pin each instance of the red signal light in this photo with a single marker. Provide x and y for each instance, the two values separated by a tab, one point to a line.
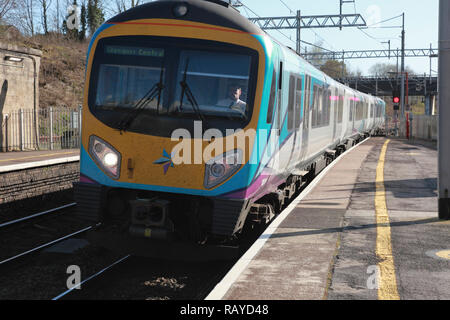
396	99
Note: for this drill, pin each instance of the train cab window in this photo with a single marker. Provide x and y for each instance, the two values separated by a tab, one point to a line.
171	85
273	92
112	93
219	82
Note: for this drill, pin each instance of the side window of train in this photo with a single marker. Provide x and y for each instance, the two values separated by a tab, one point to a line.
340	107
306	103
316	107
279	115
273	92
298	102
291	103
333	103
321	109
361	109
358	112
351	106
327	107
366	108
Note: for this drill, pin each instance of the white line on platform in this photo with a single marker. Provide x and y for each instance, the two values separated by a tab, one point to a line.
37	164
223	286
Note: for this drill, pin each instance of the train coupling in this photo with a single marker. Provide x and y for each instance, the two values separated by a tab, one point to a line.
150	219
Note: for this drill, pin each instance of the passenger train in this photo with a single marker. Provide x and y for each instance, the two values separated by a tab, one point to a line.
197	124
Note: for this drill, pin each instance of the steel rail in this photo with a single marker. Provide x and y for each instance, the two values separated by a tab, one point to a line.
44	245
90	278
37	215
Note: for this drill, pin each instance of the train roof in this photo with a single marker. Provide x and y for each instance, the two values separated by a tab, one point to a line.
215	12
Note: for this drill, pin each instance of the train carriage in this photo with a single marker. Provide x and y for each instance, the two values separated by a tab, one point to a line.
166	155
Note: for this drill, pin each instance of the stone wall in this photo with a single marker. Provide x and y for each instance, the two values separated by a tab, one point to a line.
31	188
19	82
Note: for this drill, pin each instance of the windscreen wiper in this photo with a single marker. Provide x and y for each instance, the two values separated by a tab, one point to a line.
154	92
186	90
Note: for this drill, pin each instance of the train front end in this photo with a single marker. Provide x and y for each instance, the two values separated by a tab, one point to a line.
172	97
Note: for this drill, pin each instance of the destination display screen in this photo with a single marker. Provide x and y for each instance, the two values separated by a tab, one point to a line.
135	51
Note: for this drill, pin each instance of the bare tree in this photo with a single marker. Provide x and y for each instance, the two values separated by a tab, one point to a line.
124	5
57	17
6	6
387	70
45	6
22	16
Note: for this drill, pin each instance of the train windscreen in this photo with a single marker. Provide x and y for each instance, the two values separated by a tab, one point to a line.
218	82
135	83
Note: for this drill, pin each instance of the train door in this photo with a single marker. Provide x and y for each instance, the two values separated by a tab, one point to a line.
353	112
274	114
294	117
333	105
279	117
306	116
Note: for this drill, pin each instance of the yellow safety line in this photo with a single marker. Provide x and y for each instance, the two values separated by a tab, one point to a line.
44	155
387	289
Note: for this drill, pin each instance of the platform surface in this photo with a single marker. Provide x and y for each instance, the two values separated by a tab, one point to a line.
330	245
10	161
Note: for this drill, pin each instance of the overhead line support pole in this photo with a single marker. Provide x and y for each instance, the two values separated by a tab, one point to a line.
444	110
299	20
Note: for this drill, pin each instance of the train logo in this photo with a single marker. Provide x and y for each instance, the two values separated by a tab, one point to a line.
165	161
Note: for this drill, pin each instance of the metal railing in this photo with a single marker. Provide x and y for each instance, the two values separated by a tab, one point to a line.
46	129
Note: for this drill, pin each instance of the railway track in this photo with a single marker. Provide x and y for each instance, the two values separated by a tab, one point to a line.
43	246
137	278
40	214
94	276
27	235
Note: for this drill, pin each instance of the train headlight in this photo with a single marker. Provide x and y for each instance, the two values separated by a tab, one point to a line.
222	167
217	170
111	160
180	10
105	156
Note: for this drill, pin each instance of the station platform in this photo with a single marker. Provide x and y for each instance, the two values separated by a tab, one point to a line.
366	228
13	161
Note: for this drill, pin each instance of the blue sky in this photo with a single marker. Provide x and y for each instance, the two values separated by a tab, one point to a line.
421	26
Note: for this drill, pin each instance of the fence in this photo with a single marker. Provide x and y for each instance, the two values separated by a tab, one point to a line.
425	127
46	129
421	127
